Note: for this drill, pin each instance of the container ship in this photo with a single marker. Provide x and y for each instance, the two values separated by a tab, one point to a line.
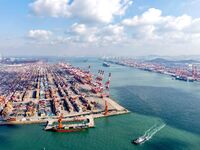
105	64
87	122
185	78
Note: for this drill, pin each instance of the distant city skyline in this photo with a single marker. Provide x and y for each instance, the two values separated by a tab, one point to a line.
99	27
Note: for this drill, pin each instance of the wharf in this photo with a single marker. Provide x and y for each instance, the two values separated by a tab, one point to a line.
115	109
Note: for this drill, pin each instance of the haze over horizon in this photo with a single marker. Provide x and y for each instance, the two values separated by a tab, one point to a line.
99	27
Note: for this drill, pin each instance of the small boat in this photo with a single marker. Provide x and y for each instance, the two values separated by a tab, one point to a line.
105	64
140	140
87	122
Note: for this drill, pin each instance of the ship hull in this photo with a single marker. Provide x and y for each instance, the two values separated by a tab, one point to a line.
67	130
139	140
106	64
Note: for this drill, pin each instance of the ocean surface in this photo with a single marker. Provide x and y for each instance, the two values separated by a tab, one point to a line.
153	100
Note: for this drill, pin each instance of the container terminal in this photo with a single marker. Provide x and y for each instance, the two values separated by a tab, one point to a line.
36	92
185	70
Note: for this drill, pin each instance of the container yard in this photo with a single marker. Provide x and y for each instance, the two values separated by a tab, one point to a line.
36	92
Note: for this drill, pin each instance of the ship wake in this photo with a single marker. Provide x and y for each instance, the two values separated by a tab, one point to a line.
153	130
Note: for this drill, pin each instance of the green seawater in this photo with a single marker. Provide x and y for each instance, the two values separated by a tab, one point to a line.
152	99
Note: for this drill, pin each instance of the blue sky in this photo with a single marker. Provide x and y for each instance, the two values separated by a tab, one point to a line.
99	27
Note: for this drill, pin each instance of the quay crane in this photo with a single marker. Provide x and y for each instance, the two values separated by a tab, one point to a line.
107	87
194	72
106	108
98	82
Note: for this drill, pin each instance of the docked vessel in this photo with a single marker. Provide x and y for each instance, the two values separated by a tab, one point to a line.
140	140
88	122
185	78
105	64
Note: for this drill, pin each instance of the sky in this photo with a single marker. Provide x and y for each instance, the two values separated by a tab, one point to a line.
99	27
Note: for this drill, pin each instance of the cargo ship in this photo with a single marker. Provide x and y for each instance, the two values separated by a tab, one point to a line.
87	122
105	64
185	78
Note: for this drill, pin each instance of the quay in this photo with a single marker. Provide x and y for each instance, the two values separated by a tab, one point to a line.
37	92
116	110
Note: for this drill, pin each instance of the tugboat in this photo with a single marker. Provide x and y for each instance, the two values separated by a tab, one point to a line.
105	64
140	140
148	134
88	122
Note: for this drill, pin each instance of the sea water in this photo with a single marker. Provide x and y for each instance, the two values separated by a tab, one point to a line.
152	99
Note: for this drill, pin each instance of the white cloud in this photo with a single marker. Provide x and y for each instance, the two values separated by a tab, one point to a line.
106	35
154	32
99	10
85	10
39	34
150	32
179	23
152	24
113	29
81	33
194	27
112	34
152	16
78	28
54	8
